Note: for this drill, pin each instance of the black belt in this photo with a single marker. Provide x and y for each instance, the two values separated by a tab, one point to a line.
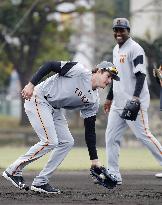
52	106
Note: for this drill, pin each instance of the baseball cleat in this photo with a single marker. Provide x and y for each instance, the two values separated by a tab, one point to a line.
158	175
45	188
17	181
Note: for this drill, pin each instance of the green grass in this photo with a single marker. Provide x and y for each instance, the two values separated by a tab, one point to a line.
77	159
8	121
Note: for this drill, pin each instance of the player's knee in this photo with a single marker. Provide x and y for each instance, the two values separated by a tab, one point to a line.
54	143
51	143
69	143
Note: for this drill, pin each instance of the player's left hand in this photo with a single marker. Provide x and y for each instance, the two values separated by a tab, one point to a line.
107	106
27	92
102	177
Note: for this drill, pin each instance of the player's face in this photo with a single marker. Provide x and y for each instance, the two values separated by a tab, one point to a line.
121	35
104	79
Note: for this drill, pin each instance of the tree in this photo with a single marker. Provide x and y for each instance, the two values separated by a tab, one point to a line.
105	12
153	52
28	37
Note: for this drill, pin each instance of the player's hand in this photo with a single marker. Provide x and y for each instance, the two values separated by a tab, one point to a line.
27	92
95	162
154	73
107	106
135	98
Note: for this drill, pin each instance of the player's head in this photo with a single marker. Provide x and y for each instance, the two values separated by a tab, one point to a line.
121	28
110	67
105	72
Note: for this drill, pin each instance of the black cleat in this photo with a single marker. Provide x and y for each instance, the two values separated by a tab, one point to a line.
17	181
45	188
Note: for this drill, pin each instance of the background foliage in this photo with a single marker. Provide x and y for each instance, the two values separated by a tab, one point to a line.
28	38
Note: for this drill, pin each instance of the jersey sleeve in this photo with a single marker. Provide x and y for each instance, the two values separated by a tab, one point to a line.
61	67
77	70
138	59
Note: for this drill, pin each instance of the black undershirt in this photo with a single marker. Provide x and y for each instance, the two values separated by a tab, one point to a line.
140	78
90	136
54	66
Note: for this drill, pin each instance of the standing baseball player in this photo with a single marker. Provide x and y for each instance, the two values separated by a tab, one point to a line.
128	99
73	87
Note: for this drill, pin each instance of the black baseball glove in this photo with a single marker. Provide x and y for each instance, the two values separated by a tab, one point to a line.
131	110
102	177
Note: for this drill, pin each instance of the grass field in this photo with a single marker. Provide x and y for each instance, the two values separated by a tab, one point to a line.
77	159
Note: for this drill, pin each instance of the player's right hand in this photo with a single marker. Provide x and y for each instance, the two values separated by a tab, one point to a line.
107	106
27	92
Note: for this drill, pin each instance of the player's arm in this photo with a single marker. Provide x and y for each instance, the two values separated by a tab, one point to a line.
54	66
98	172
44	70
90	138
140	78
109	99
139	69
132	107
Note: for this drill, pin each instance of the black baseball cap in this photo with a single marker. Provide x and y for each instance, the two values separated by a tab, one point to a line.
105	65
121	23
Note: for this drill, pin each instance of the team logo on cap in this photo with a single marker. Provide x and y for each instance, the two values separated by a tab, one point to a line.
118	22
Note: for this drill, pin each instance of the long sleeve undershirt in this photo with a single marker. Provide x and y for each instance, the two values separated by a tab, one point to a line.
140	78
54	66
90	136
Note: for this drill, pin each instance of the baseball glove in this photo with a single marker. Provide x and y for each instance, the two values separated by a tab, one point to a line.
102	177
131	110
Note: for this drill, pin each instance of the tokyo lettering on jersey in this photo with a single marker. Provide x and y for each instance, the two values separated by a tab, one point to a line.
70	91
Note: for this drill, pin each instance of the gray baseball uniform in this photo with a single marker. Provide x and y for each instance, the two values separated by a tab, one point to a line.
129	59
45	113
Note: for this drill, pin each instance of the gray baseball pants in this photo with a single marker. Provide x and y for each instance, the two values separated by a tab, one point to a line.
115	130
54	135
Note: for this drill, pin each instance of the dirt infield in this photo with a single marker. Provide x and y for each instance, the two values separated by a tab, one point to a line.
138	188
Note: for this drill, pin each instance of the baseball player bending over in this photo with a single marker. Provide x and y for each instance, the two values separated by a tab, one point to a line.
128	99
73	87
